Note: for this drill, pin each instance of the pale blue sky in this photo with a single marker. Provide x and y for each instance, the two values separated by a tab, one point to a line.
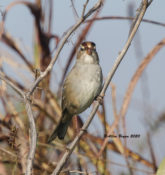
109	36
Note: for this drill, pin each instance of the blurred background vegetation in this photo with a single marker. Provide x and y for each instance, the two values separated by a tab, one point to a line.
23	63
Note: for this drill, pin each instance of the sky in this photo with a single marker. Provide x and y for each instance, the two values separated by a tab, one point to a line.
110	37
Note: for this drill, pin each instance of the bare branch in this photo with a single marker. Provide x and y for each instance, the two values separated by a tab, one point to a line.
74	9
33	137
125	18
49	68
152	153
7	39
73	144
138	13
106	84
26	96
119	59
85	5
16	88
77	44
131	87
33	134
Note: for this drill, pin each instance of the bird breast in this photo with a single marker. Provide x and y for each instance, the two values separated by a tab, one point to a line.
82	86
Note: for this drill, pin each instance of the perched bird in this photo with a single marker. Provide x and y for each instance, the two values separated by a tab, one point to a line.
81	87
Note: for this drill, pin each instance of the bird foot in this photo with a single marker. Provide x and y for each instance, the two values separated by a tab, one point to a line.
100	99
68	149
84	130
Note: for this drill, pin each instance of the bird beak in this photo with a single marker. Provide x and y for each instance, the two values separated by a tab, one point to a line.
89	51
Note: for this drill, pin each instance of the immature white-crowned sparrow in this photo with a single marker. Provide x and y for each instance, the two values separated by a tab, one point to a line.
81	86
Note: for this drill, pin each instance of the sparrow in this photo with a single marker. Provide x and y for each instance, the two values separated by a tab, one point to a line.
81	87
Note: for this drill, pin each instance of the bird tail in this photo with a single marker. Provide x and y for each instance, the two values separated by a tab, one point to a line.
61	128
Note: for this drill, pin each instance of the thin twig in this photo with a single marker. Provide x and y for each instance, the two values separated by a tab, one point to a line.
131	87
125	18
136	17
8	152
114	107
112	146
84	8
116	64
33	137
109	78
134	168
125	154
74	9
138	13
16	88
152	152
33	134
51	5
49	68
80	38
7	39
73	144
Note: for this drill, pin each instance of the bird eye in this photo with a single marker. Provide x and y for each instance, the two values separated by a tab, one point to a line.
82	48
93	45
